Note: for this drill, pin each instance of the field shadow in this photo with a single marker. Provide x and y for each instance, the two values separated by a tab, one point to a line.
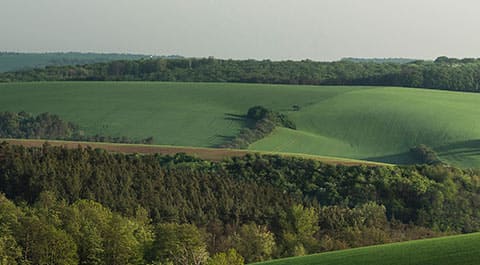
466	148
404	158
241	119
235	117
225	138
469	148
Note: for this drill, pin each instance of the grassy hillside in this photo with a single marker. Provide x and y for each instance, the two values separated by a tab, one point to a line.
379	123
455	250
372	123
22	61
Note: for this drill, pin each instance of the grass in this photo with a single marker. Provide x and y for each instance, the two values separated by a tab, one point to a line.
363	123
453	250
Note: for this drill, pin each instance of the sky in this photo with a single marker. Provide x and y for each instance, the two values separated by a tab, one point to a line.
241	29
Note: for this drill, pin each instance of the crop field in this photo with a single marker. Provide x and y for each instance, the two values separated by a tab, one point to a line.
365	123
454	250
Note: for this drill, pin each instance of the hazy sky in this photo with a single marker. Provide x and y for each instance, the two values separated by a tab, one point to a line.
274	29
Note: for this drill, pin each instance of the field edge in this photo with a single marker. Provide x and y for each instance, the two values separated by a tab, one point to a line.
214	154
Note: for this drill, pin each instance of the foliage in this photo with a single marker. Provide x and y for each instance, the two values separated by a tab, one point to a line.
254	242
25	125
264	122
443	73
45	244
257	113
363	225
181	244
425	155
12	61
231	257
299	228
10	251
54	232
155	208
182	189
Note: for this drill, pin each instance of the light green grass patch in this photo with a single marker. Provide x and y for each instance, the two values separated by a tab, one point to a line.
454	250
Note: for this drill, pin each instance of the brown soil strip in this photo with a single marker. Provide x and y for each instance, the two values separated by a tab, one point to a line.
213	154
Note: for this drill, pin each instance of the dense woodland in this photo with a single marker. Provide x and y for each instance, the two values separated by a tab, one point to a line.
23	125
97	207
443	73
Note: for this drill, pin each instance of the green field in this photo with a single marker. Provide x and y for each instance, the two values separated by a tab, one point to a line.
454	250
367	123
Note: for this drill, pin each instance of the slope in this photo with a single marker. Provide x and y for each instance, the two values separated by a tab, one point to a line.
454	250
366	123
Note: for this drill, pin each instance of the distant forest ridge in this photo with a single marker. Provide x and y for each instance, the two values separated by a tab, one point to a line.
379	60
442	73
16	61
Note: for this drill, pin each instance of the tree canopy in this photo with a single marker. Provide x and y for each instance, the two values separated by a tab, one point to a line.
443	73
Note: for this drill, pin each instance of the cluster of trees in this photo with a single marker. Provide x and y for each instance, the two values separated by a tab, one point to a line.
425	155
111	139
50	126
258	113
443	73
52	231
253	208
25	125
260	123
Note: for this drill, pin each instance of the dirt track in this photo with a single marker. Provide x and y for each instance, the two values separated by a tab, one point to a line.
203	153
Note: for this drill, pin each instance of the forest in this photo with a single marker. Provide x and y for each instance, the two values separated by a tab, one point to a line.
443	73
109	208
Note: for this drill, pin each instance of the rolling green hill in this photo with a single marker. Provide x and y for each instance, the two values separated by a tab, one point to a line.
454	250
372	123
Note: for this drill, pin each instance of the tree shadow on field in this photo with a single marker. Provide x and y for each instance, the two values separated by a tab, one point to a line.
225	138
241	119
237	116
461	148
234	119
405	158
469	148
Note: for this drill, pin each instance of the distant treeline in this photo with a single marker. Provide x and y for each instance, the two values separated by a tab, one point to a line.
23	125
379	60
443	73
13	61
261	206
